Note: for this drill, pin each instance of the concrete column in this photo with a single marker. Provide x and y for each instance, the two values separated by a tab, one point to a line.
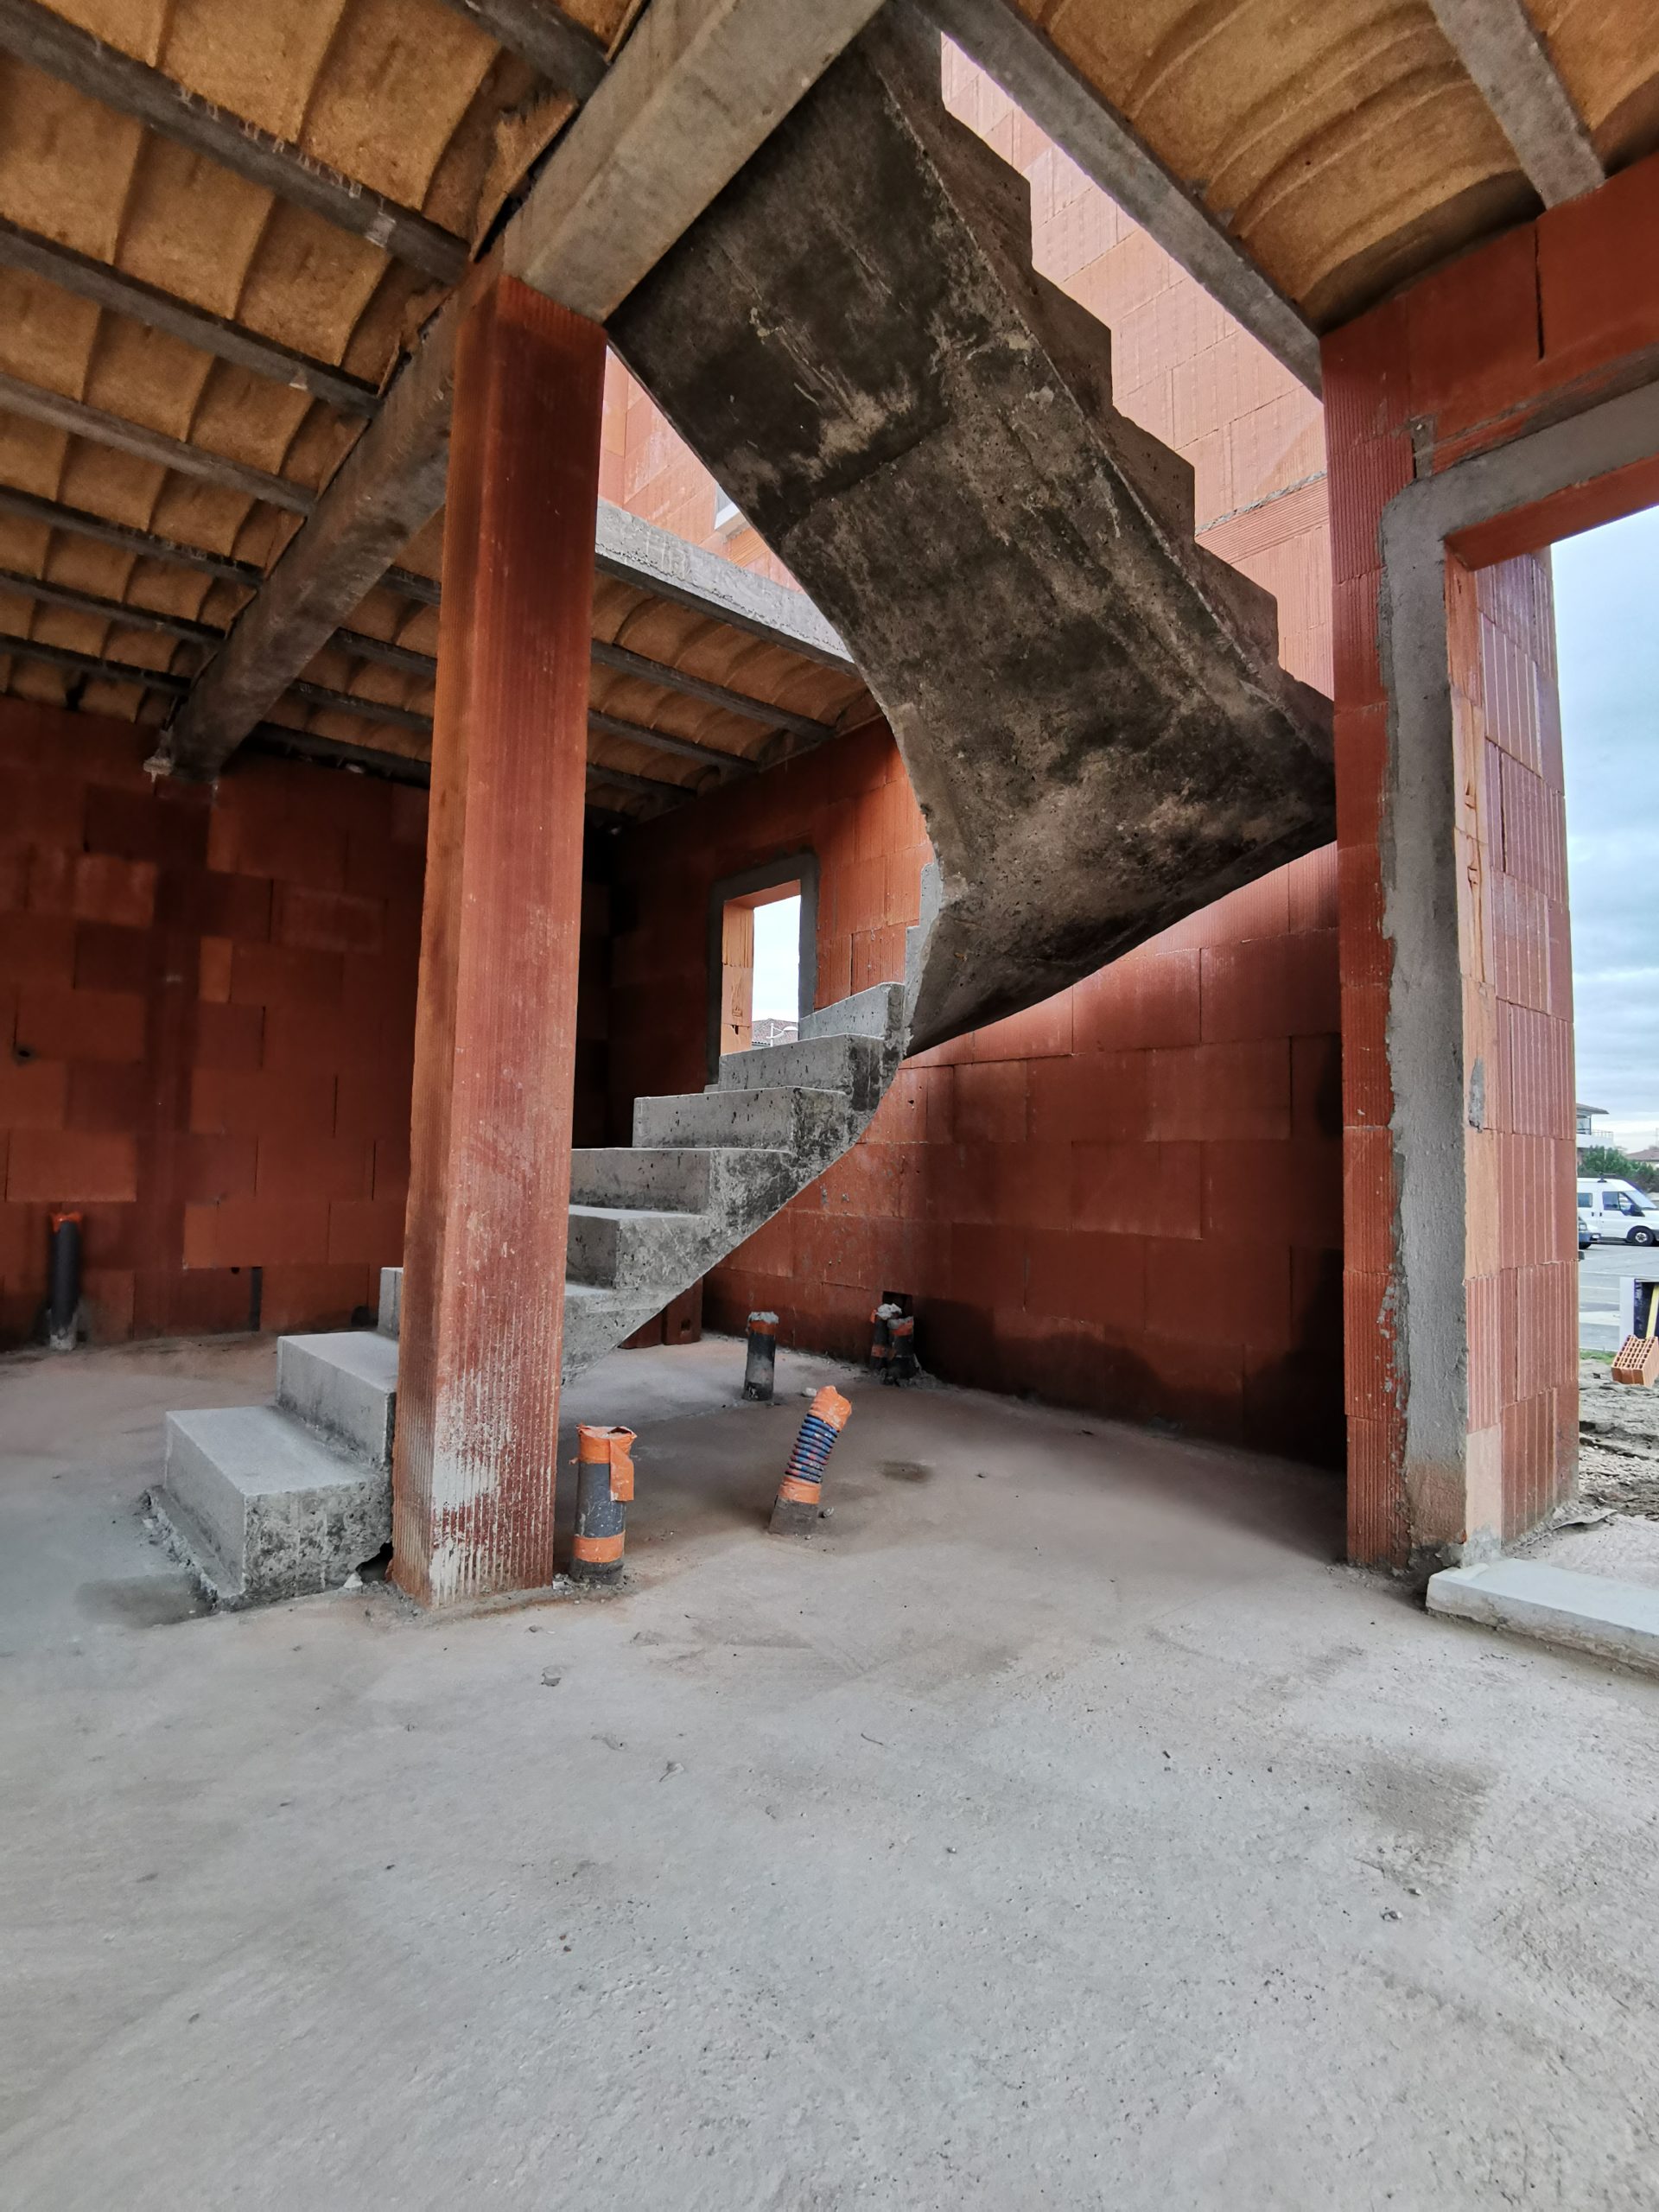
483	1313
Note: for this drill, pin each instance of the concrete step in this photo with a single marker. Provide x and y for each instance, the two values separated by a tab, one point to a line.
857	1066
877	1011
265	1507
344	1385
630	1248
673	1178
1592	1613
778	1119
391	1301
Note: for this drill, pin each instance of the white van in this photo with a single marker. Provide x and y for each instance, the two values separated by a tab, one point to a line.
1617	1211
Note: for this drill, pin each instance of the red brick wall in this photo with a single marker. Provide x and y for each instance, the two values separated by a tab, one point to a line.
1127	1199
1541	323
208	1008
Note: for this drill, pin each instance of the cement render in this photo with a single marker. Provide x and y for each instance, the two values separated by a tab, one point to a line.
1061	1827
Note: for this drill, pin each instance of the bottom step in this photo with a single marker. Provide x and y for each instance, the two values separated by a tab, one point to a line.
1553	1605
264	1507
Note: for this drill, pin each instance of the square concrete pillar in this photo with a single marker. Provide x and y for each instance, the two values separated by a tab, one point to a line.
495	1034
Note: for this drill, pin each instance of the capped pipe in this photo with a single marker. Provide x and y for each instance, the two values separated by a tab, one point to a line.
604	1492
63	1281
760	1366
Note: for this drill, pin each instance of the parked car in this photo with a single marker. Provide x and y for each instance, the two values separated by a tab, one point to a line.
1586	1235
1616	1212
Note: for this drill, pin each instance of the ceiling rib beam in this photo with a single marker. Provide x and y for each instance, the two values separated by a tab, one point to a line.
683	748
621	661
84	422
565	53
115	611
1107	147
53	514
661	138
333	753
211	334
640	786
1498	45
34	34
351	702
117	672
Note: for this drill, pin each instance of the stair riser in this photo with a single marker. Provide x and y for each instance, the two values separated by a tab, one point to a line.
354	1408
854	1065
780	1122
877	1011
613	1175
257	1550
628	1254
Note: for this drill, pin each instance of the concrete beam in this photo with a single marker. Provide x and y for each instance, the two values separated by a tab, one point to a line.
1498	44
1030	69
660	139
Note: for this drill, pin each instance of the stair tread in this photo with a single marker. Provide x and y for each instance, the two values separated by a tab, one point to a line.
262	1449
637	1213
364	1354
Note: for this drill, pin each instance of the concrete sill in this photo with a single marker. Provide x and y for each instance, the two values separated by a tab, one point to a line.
1618	1621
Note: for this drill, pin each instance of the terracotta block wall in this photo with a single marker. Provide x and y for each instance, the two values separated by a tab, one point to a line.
208	1005
1541	324
1128	1198
1521	1165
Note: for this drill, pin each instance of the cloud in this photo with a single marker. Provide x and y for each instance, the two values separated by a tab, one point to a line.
1607	629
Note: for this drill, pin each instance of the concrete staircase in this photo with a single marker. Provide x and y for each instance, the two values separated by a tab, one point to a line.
281	1500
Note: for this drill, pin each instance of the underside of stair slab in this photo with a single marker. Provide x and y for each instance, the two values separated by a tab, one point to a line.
1090	705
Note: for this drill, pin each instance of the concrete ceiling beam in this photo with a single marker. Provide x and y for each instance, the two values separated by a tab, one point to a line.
1110	152
1499	46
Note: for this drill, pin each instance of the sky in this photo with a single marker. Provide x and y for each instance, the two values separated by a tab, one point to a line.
1607	634
778	960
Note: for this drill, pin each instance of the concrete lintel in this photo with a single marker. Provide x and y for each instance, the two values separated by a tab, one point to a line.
1591	1614
1419	855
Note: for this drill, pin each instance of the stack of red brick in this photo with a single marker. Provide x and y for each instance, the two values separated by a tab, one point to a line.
207	1003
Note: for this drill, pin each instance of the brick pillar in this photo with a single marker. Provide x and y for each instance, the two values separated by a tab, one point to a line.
1460	1313
495	1034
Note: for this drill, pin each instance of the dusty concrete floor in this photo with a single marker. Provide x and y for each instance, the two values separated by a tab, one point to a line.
1064	1829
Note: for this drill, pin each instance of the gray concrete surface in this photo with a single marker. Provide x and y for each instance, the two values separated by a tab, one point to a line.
1062	1827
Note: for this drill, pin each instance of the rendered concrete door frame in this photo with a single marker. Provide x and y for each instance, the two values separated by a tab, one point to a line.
1453	1494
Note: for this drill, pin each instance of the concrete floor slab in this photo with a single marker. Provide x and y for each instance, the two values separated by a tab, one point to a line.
1062	1826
